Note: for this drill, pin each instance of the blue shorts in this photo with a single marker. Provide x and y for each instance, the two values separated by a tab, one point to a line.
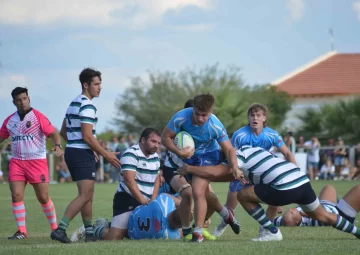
236	186
313	164
63	174
212	158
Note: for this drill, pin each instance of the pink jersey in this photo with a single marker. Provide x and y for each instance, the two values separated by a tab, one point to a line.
28	136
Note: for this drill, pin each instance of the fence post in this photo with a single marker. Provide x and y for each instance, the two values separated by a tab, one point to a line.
51	168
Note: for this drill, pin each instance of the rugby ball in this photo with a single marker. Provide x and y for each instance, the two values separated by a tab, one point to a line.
183	139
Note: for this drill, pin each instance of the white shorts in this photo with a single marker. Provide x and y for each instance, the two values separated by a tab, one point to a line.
1	173
121	221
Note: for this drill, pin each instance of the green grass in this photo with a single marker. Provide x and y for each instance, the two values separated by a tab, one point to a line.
321	240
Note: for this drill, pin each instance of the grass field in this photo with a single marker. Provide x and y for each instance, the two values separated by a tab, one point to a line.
321	240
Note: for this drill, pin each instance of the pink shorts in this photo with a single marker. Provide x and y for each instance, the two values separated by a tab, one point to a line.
31	171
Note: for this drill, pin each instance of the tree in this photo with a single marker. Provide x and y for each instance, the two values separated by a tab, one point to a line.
333	120
154	103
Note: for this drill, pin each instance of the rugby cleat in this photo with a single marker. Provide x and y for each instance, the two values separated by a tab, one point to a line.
220	229
208	236
266	236
18	235
60	235
197	238
234	224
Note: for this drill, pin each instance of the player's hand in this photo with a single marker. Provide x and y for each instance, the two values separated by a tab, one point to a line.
112	159
239	175
187	152
145	202
184	169
58	151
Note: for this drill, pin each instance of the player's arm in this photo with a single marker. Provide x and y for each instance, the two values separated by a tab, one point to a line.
167	140
89	139
2	139
230	154
207	172
55	137
129	179
156	187
287	154
63	131
4	132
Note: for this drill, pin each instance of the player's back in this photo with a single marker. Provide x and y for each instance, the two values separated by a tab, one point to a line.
266	139
261	166
150	221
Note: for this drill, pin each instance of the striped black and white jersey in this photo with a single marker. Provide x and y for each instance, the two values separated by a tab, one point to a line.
307	221
146	168
172	160
81	110
261	166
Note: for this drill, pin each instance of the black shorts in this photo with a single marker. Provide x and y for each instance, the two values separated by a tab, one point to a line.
123	203
168	174
81	163
302	195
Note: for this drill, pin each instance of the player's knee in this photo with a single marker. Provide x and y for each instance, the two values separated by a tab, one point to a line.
185	192
17	196
43	198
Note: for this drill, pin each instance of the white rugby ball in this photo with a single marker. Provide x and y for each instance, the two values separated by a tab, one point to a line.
183	139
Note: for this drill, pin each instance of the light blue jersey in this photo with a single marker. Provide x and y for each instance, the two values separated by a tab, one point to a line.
150	221
266	139
206	137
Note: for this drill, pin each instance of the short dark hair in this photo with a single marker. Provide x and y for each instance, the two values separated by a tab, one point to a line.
204	102
87	74
147	132
189	103
17	91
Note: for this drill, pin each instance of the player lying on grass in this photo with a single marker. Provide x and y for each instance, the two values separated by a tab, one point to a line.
274	182
348	207
157	220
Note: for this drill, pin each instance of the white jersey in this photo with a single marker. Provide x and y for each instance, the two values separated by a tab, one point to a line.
81	110
261	166
172	160
146	168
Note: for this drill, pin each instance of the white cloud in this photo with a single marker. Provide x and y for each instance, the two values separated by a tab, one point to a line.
356	8
296	8
134	13
195	27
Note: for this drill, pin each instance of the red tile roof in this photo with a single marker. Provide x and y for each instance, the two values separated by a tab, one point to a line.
331	74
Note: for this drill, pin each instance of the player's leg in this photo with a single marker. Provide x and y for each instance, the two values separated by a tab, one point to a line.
199	187
81	164
352	198
17	184
328	193
38	175
310	170
183	188
250	198
118	229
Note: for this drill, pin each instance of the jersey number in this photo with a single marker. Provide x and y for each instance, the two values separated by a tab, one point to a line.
143	226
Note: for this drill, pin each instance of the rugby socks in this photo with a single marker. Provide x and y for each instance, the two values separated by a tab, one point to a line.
278	221
224	213
186	230
49	211
99	231
89	229
344	225
260	216
64	223
18	209
198	230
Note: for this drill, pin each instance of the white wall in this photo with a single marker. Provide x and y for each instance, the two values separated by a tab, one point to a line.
302	103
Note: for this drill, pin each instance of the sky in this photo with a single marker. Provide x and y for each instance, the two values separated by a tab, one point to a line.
45	44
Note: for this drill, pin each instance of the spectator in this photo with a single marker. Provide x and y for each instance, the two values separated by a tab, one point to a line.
130	141
356	170
339	156
114	143
300	144
346	172
313	156
327	171
290	141
63	171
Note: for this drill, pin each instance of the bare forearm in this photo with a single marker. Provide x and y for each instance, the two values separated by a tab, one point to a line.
231	157
64	135
94	145
55	137
169	144
156	188
134	189
290	157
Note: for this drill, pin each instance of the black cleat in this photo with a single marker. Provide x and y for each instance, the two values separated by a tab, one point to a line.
60	235
90	238
18	235
197	238
234	224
